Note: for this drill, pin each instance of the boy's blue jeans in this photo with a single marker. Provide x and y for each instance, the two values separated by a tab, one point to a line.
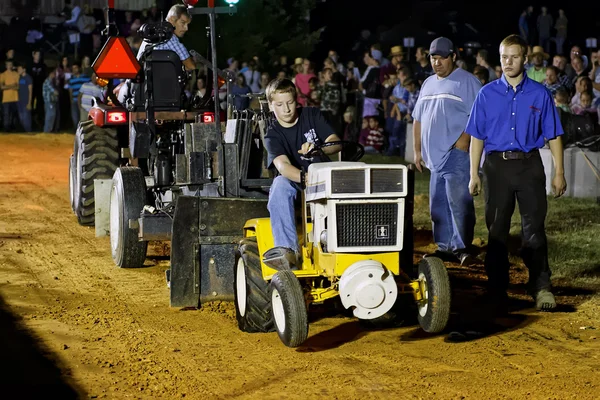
451	204
49	116
24	116
282	196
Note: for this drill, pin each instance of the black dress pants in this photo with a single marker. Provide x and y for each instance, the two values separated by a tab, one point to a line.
523	181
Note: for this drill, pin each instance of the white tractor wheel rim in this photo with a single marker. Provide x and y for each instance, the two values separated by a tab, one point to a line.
278	311
423	304
71	182
241	287
115	219
77	182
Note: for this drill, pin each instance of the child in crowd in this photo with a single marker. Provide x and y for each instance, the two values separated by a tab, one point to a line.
482	73
585	105
314	94
50	94
350	128
372	138
561	100
413	94
25	96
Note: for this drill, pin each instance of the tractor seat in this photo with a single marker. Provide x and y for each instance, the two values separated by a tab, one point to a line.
168	82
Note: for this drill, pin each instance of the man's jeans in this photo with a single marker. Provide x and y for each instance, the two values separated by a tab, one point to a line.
24	117
10	112
451	204
282	196
49	116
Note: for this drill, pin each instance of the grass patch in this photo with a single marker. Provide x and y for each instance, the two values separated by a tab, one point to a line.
572	227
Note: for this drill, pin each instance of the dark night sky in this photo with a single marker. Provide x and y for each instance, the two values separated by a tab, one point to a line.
345	18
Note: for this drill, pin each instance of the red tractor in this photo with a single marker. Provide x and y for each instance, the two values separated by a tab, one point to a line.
157	167
102	142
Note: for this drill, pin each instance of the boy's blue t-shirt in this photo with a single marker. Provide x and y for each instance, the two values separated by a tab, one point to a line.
24	82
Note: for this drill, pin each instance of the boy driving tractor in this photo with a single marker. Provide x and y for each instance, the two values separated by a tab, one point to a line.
294	133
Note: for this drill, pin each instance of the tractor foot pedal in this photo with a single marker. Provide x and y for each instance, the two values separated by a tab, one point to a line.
281	258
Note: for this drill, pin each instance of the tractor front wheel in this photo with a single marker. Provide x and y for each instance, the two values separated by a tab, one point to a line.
289	308
434	306
127	200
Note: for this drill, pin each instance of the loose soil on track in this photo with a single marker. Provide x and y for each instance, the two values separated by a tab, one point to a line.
72	325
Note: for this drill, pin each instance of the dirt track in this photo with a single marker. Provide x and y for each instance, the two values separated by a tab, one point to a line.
74	325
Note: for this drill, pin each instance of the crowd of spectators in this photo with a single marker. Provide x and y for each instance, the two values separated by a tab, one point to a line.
369	99
44	65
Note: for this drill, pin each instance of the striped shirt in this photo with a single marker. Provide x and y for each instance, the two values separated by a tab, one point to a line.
75	84
88	91
443	108
172	44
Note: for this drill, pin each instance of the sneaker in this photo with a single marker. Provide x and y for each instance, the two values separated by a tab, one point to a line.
465	259
544	300
280	258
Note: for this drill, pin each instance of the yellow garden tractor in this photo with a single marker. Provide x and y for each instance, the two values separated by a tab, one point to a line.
356	246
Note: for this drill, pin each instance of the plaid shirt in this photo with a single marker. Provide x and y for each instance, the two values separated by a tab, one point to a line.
48	92
172	44
564	80
553	87
331	97
412	100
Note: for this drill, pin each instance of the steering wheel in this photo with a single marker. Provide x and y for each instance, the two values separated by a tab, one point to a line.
351	151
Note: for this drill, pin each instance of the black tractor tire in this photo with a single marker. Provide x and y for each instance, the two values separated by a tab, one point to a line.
434	308
252	301
289	308
95	156
127	200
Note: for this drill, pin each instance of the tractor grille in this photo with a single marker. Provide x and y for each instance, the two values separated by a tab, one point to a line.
348	181
386	180
367	225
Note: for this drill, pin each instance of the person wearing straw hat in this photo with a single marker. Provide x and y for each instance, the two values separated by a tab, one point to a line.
538	71
396	61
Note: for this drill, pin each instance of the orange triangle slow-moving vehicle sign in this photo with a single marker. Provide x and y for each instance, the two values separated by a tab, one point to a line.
116	60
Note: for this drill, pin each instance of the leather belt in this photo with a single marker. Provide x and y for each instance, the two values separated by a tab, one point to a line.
516	155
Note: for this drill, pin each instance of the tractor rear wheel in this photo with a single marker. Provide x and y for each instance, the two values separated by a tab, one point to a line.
127	200
252	301
95	156
434	307
289	308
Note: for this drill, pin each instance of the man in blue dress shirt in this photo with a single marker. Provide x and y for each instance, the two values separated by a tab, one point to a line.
511	119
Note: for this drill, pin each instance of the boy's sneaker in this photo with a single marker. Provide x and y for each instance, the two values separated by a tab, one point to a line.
282	258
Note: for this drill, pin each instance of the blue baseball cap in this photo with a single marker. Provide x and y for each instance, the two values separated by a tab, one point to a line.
441	47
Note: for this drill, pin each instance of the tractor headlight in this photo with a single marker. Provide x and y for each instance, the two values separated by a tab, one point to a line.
323	240
387	180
